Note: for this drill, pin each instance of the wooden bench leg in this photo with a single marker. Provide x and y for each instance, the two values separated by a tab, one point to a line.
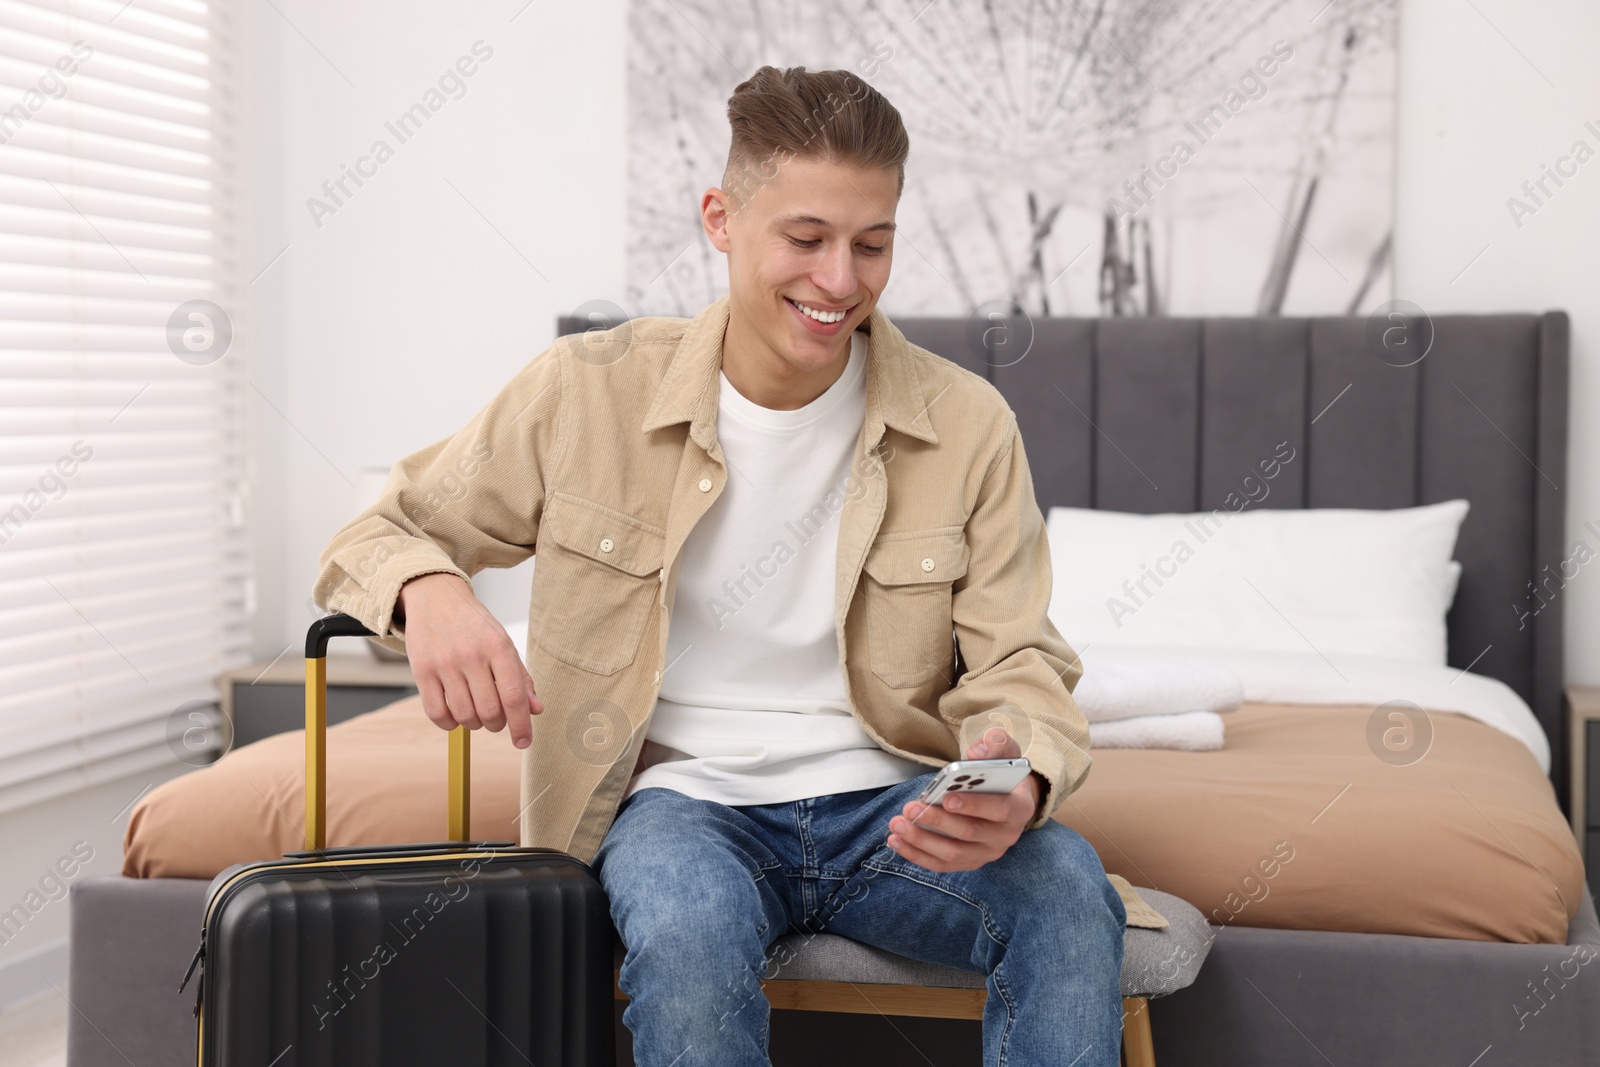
1138	1047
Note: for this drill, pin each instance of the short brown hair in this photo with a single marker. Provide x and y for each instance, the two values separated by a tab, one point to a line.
777	115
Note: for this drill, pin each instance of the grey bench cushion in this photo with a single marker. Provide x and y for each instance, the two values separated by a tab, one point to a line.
1154	962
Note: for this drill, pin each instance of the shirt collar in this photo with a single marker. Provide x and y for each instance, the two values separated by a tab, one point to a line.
688	391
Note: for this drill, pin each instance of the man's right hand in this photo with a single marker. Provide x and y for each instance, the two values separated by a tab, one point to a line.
466	668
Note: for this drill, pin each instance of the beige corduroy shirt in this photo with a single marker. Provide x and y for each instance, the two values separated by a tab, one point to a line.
601	455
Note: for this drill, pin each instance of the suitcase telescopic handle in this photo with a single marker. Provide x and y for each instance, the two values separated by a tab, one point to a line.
317	637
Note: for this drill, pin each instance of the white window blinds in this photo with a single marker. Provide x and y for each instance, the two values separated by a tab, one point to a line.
123	551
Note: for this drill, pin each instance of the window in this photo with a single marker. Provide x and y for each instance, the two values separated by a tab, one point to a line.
123	549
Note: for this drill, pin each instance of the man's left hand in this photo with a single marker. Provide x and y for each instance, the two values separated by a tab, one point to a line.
981	825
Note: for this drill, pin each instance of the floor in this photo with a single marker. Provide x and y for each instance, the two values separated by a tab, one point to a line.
34	1031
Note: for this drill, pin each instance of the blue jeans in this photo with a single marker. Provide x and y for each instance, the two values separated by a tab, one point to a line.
699	890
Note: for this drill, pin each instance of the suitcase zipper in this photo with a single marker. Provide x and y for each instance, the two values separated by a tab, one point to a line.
199	956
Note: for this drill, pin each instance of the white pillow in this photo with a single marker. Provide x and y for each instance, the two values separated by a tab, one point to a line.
1331	580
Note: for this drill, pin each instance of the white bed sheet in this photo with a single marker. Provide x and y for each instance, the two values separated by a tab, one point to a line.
1275	677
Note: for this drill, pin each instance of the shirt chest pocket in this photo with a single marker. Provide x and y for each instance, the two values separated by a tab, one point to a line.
596	573
908	595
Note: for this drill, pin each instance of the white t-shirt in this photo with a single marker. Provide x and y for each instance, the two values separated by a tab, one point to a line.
753	707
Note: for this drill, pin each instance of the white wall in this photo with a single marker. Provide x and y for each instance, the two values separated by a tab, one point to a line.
402	313
1485	100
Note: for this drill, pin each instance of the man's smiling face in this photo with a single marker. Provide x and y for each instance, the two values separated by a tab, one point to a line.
808	257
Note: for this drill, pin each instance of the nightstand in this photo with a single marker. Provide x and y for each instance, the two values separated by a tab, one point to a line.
261	699
1583	738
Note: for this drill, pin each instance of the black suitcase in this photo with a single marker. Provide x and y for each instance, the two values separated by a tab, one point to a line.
453	953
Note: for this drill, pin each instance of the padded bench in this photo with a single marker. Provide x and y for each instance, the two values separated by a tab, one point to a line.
827	972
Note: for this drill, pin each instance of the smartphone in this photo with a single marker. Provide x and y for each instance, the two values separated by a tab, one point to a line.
974	776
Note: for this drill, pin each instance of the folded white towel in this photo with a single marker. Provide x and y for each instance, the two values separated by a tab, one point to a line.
1119	683
1191	731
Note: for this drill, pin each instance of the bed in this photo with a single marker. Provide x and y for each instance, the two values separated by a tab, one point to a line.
1443	919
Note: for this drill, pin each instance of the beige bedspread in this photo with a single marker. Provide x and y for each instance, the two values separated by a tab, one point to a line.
1294	823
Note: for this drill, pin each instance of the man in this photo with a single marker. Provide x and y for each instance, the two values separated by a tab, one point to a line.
832	520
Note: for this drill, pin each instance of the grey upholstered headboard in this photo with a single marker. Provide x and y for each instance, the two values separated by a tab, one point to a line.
1171	414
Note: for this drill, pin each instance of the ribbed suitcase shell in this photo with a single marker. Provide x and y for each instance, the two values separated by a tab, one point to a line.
384	958
418	955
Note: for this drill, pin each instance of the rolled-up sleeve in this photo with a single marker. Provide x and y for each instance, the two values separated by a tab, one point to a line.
470	501
1020	671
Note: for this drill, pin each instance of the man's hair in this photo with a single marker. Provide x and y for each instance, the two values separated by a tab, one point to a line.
832	115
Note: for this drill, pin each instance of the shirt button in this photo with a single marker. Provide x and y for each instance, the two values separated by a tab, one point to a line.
657	678
606	544
663	576
927	563
705	485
